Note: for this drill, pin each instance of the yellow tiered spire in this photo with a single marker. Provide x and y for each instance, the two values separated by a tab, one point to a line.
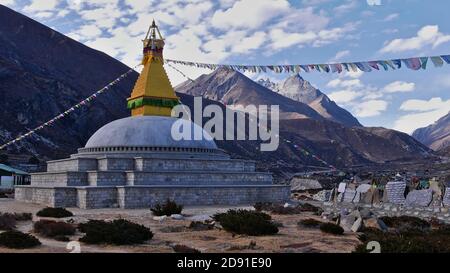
153	94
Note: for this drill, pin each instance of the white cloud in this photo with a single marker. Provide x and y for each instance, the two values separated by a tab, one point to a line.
346	7
391	17
86	32
399	87
424	105
345	83
339	55
424	113
249	14
314	2
374	2
282	39
426	36
251	42
344	96
8	2
39	5
370	108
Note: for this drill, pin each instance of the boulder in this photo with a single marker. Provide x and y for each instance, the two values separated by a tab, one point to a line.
347	222
201	226
177	216
357	225
200	218
365	213
322	196
419	198
160	218
374	222
302	184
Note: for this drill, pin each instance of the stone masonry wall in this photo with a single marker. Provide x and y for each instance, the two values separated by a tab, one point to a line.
116	164
197	178
143	197
97	198
75	165
145	164
53	197
111	178
59	179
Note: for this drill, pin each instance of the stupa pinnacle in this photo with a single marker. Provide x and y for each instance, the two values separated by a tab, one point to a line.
153	94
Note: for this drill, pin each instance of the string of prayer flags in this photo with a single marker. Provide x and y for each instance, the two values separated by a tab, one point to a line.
415	63
69	111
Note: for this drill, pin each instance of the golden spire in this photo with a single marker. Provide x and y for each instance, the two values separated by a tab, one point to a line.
153	95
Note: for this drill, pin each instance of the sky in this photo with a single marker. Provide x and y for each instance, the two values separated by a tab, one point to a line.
281	32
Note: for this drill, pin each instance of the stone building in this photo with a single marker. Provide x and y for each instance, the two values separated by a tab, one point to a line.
135	162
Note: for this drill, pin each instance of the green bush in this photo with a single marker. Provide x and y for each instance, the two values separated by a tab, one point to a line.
247	222
310	223
407	235
433	241
54	213
406	223
7	221
53	229
282	210
168	208
23	216
18	240
185	249
331	228
117	232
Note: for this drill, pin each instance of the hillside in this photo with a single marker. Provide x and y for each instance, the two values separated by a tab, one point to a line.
298	89
437	135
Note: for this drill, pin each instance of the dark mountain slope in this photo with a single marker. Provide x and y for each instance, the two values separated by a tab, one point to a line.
437	135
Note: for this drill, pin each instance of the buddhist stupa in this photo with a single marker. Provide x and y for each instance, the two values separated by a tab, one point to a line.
153	95
135	162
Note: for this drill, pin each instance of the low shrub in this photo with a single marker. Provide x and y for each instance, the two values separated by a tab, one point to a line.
23	216
310	223
62	238
117	232
7	221
306	207
406	223
331	228
433	241
260	206
54	213
200	226
247	222
168	208
18	240
185	249
282	210
53	229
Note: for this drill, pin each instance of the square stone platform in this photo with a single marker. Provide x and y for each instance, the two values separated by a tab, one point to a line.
140	182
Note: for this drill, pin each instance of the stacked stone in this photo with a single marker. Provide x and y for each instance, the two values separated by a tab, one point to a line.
396	192
349	195
322	196
446	199
419	198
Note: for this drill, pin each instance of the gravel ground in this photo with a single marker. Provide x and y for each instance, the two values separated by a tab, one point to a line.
291	237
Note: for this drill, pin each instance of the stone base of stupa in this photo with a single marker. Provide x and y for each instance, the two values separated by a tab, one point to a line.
122	180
